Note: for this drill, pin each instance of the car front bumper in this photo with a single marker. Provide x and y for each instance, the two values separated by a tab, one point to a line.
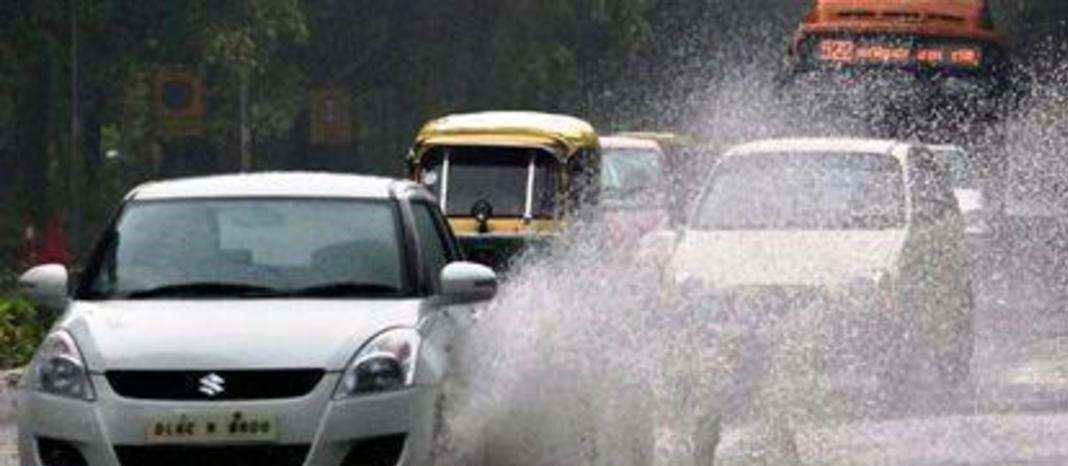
328	429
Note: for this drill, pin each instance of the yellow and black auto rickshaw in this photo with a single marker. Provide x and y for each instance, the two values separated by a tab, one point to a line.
507	180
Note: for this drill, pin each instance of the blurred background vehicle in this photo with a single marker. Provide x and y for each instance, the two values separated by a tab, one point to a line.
634	187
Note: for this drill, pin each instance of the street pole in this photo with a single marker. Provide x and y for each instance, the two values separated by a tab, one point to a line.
245	134
75	135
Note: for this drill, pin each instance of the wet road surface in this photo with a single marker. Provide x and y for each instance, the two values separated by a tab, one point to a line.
1014	411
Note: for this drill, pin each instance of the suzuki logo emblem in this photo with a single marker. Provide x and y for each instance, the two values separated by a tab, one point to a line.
212	385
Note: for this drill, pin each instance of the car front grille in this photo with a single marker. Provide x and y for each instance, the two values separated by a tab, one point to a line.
214	385
379	451
273	455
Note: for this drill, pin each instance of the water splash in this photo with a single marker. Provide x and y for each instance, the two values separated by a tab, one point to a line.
581	361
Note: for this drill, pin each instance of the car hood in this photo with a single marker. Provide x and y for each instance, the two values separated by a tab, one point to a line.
808	258
218	335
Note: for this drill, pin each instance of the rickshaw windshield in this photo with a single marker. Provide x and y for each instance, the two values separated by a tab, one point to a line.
500	177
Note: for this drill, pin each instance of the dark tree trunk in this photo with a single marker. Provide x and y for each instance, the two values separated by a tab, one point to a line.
32	134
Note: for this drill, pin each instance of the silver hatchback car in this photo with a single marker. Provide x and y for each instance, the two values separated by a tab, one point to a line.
267	319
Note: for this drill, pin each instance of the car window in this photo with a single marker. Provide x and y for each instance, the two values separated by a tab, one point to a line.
630	177
433	241
281	245
804	191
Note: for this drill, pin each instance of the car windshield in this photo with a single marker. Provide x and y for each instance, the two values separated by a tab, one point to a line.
628	173
255	247
497	176
804	191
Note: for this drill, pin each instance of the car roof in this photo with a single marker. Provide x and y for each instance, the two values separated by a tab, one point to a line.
622	142
270	184
945	148
823	145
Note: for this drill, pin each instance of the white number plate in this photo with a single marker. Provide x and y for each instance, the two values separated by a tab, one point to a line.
228	427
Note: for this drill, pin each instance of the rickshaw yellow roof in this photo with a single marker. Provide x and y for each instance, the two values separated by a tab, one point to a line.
517	129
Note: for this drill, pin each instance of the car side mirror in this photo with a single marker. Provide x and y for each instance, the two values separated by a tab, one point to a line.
467	282
46	286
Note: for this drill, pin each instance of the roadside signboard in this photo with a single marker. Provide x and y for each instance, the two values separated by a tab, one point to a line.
179	100
331	117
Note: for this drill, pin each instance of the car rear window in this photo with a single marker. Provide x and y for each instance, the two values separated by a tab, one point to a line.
804	191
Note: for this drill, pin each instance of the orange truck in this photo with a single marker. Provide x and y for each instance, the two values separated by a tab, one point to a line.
945	21
945	54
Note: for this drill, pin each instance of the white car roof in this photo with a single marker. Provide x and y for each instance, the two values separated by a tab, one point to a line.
945	148
865	146
620	142
275	184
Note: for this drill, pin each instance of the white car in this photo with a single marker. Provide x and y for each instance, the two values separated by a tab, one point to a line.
866	231
266	319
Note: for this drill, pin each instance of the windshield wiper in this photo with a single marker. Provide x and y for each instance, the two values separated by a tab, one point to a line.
342	290
203	289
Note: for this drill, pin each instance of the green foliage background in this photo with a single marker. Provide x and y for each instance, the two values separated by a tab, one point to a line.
623	64
20	332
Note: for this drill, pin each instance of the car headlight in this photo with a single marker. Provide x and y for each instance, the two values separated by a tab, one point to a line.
60	369
386	363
